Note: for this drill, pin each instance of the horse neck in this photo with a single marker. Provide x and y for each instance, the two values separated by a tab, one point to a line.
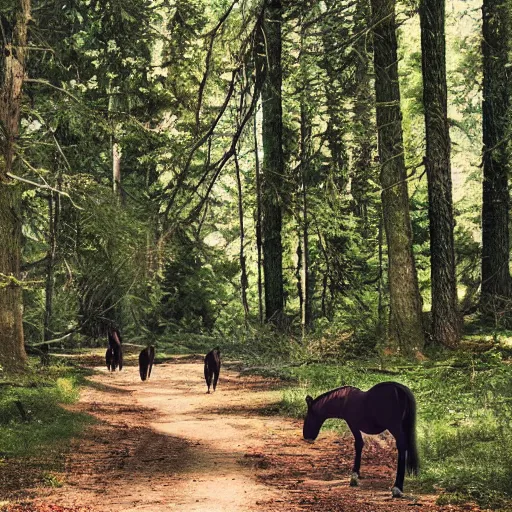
333	404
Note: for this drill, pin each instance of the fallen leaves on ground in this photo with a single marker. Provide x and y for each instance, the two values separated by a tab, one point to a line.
43	507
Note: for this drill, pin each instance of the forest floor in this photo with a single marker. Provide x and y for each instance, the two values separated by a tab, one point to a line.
166	445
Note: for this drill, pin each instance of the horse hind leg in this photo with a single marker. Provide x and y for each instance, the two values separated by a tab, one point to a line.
207	376
215	379
143	368
398	486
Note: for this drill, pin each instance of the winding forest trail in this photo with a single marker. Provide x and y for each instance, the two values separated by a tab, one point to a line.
166	445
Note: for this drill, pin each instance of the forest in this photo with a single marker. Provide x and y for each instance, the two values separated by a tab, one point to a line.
319	188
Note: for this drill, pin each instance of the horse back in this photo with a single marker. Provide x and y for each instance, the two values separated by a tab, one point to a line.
388	403
212	360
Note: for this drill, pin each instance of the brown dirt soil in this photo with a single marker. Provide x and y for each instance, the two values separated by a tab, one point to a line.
166	445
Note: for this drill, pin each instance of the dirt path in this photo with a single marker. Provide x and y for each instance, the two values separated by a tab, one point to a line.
166	445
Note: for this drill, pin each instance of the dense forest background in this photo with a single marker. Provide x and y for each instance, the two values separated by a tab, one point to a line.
227	169
319	188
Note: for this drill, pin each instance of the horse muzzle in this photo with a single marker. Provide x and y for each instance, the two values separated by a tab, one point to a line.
310	441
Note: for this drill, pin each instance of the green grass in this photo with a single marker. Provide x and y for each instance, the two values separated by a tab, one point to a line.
464	419
48	425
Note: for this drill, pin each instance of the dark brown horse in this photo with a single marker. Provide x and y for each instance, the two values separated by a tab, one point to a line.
146	358
212	368
114	353
386	406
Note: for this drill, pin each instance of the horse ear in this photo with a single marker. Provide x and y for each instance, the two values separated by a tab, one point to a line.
309	401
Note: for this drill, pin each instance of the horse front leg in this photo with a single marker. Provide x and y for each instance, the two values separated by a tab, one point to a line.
398	486
358	446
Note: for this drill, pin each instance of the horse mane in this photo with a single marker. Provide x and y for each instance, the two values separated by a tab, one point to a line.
333	393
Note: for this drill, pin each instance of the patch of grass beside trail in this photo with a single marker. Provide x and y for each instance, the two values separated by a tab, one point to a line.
34	422
464	419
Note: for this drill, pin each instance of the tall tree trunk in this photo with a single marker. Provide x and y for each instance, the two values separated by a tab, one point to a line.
273	165
327	309
116	167
445	316
114	144
305	172
334	92
12	71
298	276
53	220
363	123
258	217
381	324
305	277
405	322
244	282
496	282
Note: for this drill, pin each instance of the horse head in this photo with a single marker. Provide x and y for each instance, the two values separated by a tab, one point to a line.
312	422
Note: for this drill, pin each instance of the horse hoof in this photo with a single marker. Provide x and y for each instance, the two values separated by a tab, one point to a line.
354	480
396	492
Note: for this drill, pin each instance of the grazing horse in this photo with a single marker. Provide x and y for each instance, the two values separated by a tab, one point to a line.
114	354
146	358
212	368
385	406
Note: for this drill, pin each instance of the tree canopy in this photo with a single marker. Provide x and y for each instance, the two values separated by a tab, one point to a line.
212	166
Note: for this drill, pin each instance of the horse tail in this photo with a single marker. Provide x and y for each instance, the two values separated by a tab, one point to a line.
206	368
409	427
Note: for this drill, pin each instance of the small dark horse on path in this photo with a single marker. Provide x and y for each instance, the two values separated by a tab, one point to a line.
146	358
386	406
212	368
114	353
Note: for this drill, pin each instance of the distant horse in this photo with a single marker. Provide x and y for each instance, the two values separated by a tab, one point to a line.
146	358
212	368
386	406
114	337
114	353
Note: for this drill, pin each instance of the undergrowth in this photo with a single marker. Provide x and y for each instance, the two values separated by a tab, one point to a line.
34	421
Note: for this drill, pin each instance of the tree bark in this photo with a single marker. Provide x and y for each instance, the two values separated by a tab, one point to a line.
114	145
335	89
258	217
273	165
363	124
305	132
445	316
12	72
244	282
405	321
116	168
53	220
496	282
305	172
381	317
